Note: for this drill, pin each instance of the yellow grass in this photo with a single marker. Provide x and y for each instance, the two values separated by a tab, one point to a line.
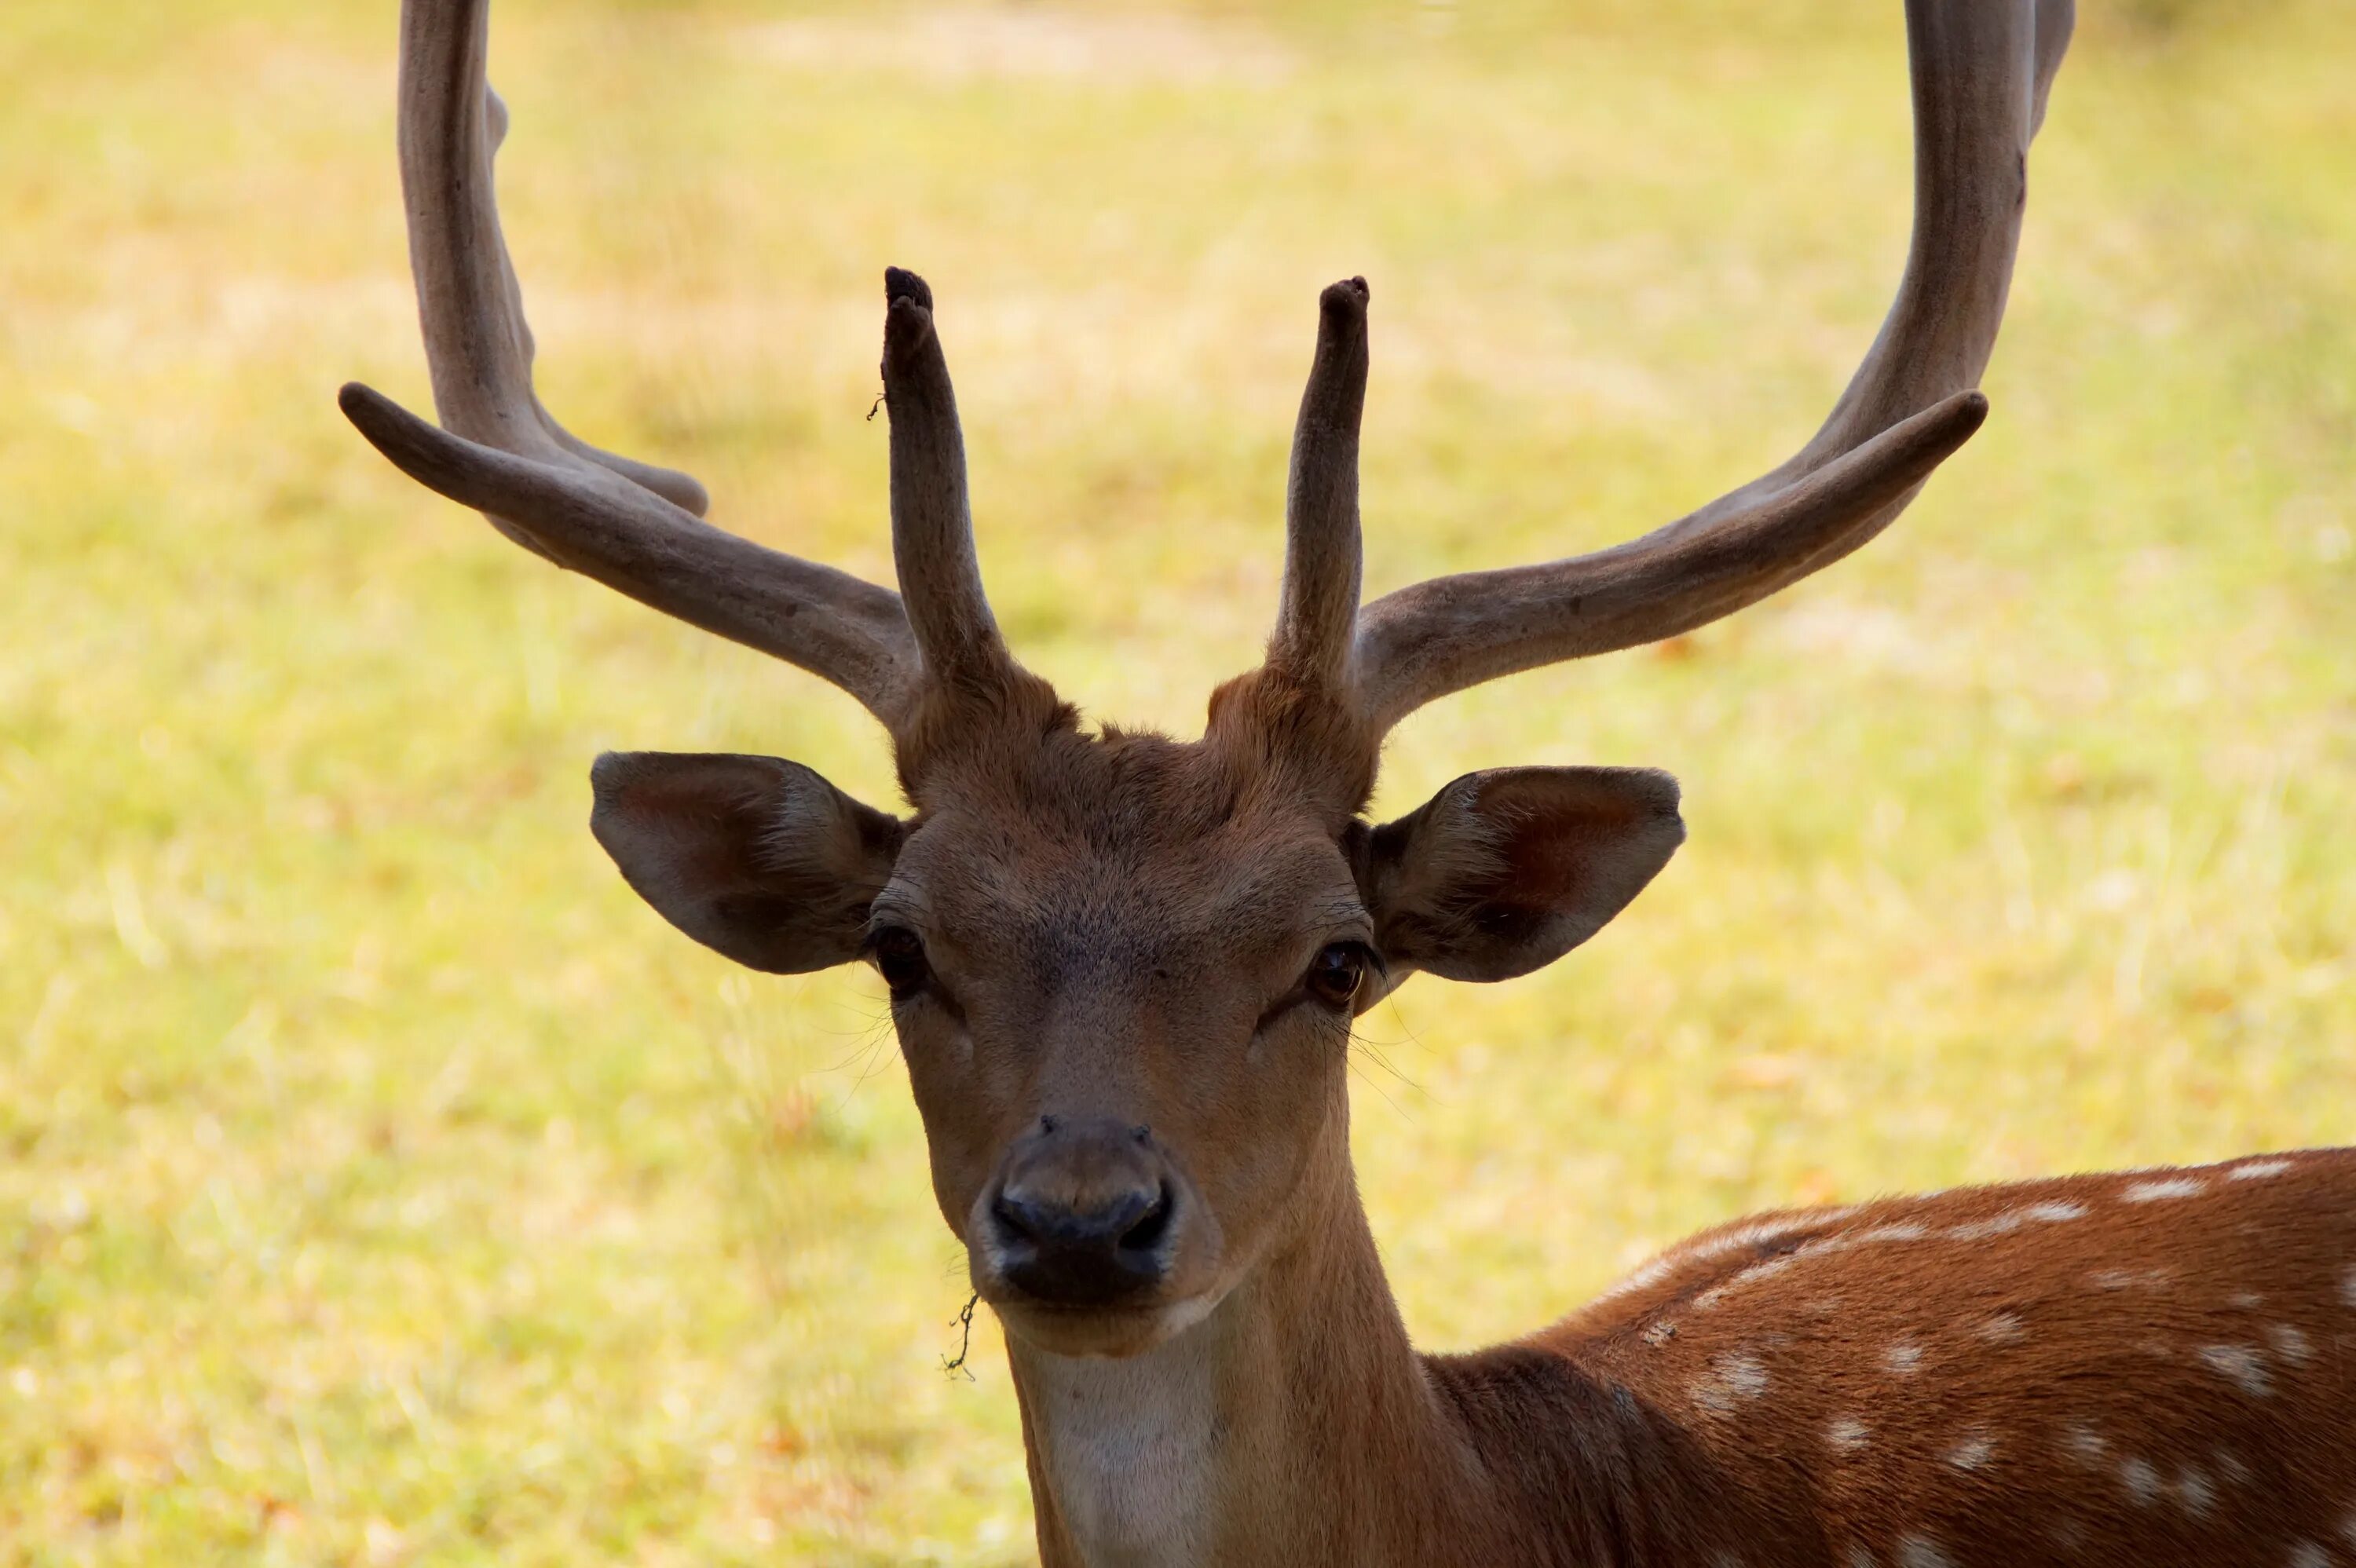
380	1182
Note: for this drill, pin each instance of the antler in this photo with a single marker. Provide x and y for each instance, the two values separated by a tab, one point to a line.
1322	553
631	526
932	522
1981	70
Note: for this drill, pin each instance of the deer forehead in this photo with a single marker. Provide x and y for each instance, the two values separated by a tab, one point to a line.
1077	885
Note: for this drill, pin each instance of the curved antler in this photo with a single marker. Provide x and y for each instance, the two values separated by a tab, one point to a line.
630	525
1981	70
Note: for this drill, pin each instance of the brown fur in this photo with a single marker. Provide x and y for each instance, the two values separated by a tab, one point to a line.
2152	1368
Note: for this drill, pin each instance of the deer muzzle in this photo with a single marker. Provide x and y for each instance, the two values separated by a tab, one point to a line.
1083	1215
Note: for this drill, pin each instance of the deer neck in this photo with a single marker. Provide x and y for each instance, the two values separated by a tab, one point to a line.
1295	1422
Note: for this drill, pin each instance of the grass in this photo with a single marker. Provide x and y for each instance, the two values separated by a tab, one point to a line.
380	1182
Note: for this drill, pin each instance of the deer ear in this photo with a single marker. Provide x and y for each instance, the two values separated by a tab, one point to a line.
755	856
1503	873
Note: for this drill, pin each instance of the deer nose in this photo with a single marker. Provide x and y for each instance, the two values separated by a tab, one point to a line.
1084	1214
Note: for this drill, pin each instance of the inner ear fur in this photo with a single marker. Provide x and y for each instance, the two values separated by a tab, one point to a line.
756	858
1505	871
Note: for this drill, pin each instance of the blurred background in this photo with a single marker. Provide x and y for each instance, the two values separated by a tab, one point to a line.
381	1183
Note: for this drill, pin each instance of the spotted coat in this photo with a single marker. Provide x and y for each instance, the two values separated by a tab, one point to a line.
2146	1370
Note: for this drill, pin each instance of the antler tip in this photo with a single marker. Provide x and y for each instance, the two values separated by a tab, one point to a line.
1962	414
899	284
907	329
376	417
907	320
1346	299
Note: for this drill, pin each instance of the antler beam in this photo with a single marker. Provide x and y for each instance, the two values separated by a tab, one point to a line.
630	525
1980	72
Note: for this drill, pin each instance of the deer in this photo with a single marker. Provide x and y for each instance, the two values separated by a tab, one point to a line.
1124	970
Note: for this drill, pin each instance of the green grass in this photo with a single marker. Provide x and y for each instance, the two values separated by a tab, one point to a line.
380	1182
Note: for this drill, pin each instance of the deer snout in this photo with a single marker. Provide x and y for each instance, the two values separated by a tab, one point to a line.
1082	1214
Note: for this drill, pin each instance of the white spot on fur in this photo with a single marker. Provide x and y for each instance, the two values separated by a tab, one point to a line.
2085	1444
2193	1492
2308	1554
1904	1230
1759	1231
1660	1333
1858	1557
2248	1300
2232	1465
2160	1191
1981	1230
2348	1527
2128	1278
2140	1479
1746	1375
2055	1213
2257	1171
2241	1363
2004	1328
1730	1381
1708	1299
1971	1453
1758	1271
1847	1434
1904	1357
1922	1552
2289	1344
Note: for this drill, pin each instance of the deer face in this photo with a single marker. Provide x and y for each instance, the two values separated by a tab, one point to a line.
1126	1009
1124	970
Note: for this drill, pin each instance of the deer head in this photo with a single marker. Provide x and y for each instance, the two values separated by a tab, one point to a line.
1124	968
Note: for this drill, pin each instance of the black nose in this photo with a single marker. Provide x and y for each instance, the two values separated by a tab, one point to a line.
1083	1216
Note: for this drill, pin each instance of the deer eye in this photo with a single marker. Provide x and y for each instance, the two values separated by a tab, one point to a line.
1337	972
899	957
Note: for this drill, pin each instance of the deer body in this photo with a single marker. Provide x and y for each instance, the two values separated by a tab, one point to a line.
2147	1368
1123	971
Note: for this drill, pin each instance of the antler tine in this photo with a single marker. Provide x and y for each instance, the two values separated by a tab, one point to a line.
1320	606
932	520
629	525
1981	70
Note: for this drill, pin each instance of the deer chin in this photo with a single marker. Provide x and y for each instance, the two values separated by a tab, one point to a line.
1101	1333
